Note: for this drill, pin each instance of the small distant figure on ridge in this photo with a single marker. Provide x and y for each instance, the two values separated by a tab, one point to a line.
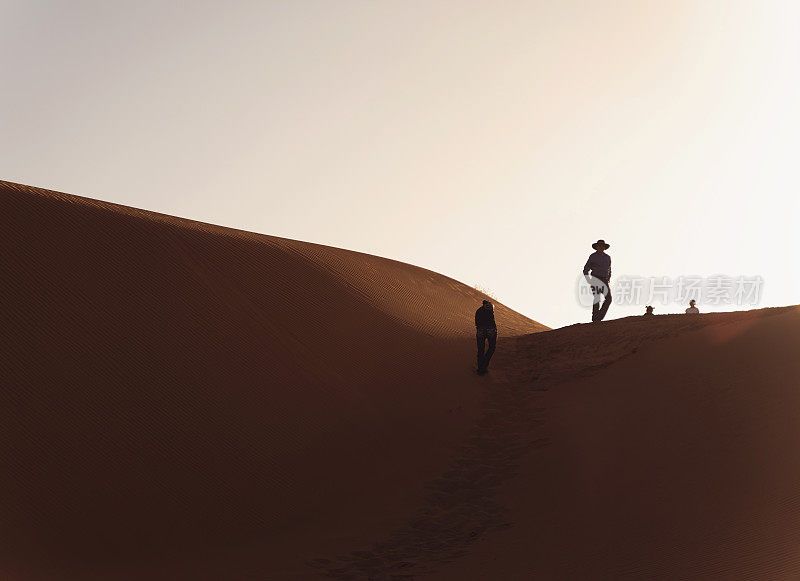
599	264
648	311
692	310
485	330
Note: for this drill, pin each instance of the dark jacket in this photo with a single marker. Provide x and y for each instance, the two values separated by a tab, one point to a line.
600	265
484	318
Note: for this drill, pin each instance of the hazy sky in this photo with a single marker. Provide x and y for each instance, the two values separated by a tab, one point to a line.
489	141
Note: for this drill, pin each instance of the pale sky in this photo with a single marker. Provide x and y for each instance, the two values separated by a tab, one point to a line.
490	141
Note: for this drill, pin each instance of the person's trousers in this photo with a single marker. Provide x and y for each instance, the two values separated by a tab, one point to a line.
484	335
598	312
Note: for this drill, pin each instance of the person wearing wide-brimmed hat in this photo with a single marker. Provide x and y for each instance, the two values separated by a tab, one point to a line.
599	264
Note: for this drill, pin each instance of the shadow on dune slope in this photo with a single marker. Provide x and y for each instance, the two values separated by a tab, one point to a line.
183	400
464	508
670	453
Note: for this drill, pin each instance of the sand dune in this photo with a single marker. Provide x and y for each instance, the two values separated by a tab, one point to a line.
186	401
183	399
669	452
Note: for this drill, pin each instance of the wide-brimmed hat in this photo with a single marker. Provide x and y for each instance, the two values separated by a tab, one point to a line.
602	243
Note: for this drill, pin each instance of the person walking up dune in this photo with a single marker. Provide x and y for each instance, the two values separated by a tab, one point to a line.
599	264
485	330
692	310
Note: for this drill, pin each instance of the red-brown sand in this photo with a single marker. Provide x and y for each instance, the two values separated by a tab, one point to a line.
673	455
181	400
185	401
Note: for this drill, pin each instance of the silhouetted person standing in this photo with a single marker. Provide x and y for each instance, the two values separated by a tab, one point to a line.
692	310
485	330
599	264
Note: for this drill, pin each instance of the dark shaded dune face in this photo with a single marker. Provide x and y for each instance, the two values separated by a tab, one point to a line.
185	401
671	453
174	391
